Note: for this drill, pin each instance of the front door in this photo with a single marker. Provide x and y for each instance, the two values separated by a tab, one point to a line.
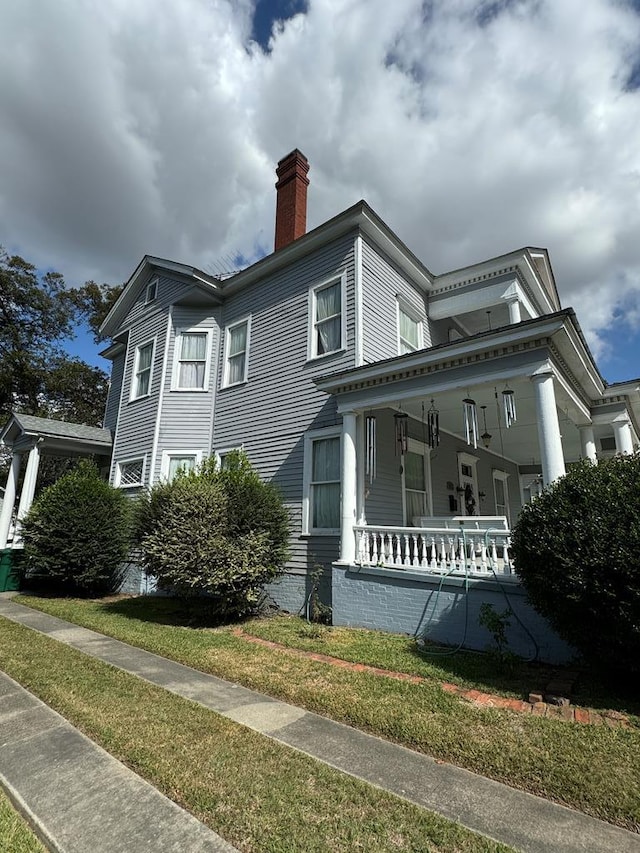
468	480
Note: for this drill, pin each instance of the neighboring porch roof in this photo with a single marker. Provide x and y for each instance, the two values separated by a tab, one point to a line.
55	437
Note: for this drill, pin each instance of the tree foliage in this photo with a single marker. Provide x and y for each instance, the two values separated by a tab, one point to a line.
94	301
576	550
77	534
218	533
37	314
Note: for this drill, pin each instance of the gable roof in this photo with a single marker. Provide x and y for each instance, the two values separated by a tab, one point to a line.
134	285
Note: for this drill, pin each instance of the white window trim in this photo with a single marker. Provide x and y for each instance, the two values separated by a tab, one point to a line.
119	466
227	333
134	375
152	285
168	455
403	306
175	375
498	474
219	452
472	461
415	446
341	278
309	438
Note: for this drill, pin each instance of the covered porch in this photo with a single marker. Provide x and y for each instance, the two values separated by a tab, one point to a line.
511	409
29	437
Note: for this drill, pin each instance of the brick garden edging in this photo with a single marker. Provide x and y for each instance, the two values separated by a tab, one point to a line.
569	713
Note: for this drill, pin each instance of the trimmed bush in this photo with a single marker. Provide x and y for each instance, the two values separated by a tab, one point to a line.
217	533
577	550
76	535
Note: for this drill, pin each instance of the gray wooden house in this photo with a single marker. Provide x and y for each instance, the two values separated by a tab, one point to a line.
405	416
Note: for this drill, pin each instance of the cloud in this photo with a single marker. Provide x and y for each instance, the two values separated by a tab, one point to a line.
471	127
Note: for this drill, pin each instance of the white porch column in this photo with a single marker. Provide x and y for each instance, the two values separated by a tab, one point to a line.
9	499
552	457
622	432
588	442
514	311
29	484
348	488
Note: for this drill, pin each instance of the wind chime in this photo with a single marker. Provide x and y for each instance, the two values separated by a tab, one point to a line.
433	426
509	406
370	440
402	438
470	415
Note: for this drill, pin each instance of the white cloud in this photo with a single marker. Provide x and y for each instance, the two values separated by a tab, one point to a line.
472	127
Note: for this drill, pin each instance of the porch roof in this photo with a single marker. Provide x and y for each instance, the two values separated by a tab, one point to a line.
63	437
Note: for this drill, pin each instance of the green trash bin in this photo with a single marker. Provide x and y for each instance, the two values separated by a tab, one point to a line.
10	569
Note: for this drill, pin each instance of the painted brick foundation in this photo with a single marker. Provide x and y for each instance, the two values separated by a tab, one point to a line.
416	604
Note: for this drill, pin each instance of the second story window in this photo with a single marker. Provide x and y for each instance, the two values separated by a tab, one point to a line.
236	352
327	323
192	357
409	330
141	385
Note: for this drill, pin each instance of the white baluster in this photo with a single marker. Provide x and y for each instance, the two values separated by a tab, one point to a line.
407	558
398	556
508	568
374	548
443	555
494	556
473	567
434	562
483	555
423	552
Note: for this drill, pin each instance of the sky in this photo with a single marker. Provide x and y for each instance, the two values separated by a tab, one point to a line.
472	127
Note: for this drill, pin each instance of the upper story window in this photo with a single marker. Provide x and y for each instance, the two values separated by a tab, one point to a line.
191	367
142	369
236	362
321	492
151	291
409	330
326	333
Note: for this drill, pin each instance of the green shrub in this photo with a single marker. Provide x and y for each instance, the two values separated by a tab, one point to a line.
216	533
76	535
577	550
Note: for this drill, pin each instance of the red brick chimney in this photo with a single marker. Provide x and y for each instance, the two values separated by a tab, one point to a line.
291	198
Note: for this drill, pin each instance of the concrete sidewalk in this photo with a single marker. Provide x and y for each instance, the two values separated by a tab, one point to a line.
77	797
521	820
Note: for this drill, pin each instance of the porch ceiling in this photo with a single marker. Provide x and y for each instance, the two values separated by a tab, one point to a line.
519	443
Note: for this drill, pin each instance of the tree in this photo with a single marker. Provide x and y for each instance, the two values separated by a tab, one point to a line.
576	551
76	535
219	534
94	301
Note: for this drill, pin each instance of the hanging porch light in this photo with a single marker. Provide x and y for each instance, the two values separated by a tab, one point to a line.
486	435
509	406
470	415
402	439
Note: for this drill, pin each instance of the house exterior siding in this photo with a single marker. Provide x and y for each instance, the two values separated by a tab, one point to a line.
382	284
115	389
269	414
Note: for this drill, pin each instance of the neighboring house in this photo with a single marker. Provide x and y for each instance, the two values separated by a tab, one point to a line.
341	365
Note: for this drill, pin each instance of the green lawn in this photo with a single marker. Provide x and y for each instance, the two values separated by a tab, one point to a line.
256	793
592	768
15	835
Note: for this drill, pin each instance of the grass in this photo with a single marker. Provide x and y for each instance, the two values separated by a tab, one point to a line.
256	793
15	835
595	769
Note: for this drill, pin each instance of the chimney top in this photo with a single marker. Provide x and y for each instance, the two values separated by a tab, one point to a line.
291	198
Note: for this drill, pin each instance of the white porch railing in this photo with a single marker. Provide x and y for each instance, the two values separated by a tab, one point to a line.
431	549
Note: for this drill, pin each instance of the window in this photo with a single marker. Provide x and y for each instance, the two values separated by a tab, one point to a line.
130	473
409	330
415	482
322	482
237	352
151	291
141	385
191	367
501	492
172	463
326	312
222	455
